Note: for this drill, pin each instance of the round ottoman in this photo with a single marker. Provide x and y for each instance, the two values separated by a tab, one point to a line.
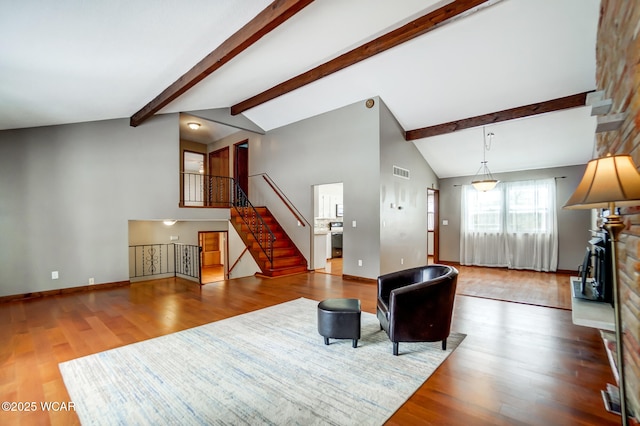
339	319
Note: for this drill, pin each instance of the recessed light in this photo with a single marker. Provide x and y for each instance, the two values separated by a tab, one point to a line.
193	125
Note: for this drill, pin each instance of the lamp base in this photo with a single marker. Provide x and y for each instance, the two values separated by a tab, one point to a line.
614	227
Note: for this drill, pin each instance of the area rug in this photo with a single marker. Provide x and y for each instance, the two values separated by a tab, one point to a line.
265	367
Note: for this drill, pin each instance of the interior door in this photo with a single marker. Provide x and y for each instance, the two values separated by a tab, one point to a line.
433	219
241	165
219	172
213	256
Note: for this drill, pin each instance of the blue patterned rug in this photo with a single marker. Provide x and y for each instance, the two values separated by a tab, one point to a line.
264	367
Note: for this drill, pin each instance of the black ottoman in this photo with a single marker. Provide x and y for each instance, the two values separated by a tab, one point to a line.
339	319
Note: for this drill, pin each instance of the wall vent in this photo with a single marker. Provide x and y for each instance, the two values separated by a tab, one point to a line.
400	172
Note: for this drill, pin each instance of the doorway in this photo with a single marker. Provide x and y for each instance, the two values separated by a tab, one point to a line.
328	225
219	173
433	239
193	183
241	165
213	256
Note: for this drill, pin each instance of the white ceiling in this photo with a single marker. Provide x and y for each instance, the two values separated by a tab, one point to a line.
73	61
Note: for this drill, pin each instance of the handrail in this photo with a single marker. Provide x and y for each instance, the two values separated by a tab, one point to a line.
300	220
238	259
200	190
287	202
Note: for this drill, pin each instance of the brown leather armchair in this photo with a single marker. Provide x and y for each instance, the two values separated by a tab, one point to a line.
416	305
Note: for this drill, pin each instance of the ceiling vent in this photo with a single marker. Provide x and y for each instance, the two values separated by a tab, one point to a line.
400	172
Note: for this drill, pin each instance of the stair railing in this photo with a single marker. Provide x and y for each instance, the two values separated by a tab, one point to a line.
200	190
265	191
254	221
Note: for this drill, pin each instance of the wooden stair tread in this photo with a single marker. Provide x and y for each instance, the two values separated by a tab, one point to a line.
287	259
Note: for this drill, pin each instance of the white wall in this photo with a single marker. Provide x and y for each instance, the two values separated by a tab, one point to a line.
68	192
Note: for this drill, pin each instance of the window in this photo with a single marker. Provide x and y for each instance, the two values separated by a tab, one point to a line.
431	209
528	207
484	210
513	225
513	207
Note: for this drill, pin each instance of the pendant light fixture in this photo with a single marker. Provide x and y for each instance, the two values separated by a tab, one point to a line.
483	179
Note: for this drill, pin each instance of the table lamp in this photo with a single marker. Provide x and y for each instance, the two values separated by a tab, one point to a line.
609	182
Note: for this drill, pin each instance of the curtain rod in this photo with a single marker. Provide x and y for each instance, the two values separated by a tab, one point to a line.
555	177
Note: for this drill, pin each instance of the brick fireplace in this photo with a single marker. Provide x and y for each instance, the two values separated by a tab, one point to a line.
618	74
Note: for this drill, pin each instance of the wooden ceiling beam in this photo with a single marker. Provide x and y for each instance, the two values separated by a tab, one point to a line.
391	39
558	104
271	17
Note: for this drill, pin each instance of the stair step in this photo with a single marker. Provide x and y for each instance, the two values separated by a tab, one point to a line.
279	262
278	252
278	272
278	243
286	257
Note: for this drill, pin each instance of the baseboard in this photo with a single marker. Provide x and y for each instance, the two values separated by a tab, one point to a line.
47	293
362	279
558	271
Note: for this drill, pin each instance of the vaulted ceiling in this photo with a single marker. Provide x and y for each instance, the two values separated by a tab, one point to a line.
74	61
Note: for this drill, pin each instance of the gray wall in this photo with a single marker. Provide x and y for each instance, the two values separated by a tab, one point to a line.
573	225
338	146
156	232
403	228
68	192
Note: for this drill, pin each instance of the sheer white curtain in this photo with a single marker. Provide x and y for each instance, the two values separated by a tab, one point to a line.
513	225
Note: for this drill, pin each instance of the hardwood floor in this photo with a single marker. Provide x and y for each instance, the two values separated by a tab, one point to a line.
534	288
212	274
333	267
519	364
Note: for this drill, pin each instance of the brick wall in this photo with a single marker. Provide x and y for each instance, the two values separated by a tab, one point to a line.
618	74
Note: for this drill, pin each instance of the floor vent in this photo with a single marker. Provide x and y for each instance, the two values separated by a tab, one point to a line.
400	172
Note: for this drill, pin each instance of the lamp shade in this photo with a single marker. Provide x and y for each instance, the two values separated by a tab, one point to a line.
611	179
484	185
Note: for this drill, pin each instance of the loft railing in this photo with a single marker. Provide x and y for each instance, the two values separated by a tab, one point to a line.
154	260
200	190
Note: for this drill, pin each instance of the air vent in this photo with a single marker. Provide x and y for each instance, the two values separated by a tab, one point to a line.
400	172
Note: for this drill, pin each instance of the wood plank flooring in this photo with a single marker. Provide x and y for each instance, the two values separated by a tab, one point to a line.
534	288
519	364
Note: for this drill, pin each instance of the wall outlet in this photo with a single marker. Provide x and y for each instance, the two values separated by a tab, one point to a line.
359	262
402	260
91	281
174	238
55	275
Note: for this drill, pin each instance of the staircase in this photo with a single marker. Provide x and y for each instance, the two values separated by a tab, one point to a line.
287	259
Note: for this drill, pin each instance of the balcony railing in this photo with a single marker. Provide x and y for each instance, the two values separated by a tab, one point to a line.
200	190
157	260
